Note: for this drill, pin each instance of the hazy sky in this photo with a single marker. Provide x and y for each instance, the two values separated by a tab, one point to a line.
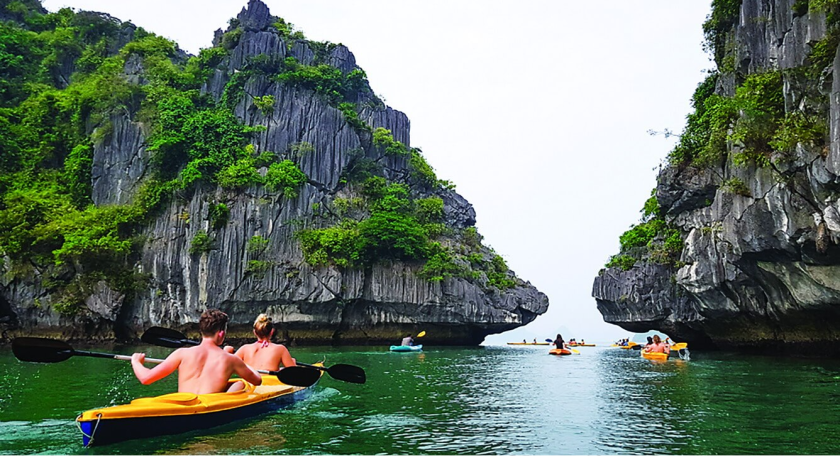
538	111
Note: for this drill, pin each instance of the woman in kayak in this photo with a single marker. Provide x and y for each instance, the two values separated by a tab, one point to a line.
263	354
559	343
657	346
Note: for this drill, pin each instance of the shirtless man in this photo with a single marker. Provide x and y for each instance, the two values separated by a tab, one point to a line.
263	354
204	368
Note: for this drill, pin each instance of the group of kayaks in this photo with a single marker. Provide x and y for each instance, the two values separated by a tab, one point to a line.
680	349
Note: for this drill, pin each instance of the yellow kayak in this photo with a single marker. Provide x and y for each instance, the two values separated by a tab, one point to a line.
655	356
181	412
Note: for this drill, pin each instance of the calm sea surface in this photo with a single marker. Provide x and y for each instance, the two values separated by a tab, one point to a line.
485	400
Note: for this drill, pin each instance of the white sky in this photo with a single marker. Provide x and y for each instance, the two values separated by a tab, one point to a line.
537	110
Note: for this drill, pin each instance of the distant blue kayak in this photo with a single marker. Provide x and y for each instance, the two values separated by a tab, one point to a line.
406	348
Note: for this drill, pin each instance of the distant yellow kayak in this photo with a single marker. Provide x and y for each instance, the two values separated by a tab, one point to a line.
655	356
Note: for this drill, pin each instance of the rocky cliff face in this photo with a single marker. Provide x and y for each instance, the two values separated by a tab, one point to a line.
760	266
376	304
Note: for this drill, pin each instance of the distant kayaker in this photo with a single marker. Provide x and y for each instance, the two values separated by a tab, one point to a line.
657	346
263	354
204	368
408	340
559	343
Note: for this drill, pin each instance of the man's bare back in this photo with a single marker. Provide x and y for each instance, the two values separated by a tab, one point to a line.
203	369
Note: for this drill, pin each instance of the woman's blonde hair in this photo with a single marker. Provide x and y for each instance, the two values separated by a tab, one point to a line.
656	339
263	326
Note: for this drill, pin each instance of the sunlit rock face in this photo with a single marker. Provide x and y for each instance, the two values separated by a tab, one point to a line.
313	305
760	270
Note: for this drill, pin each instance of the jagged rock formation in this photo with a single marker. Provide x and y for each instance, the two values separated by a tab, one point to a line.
312	304
760	267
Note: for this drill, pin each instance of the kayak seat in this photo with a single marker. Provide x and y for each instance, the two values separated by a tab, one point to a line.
273	389
173	398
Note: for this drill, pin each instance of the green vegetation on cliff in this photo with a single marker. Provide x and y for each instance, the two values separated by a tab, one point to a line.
68	77
64	82
750	126
652	240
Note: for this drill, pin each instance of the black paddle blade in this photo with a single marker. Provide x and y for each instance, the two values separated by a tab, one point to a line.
347	373
165	337
37	350
299	376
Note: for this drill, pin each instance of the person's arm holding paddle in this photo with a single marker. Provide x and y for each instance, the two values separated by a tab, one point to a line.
148	376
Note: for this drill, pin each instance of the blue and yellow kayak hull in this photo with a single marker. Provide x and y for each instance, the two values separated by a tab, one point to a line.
176	413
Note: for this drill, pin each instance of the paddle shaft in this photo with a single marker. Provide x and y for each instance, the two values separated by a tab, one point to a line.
111	355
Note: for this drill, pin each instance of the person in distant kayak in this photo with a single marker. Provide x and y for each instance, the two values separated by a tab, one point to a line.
263	354
408	340
657	346
559	343
204	368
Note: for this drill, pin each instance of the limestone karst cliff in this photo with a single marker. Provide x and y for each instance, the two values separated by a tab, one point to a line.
738	247
263	175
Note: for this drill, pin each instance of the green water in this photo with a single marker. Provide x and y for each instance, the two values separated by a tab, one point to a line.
485	400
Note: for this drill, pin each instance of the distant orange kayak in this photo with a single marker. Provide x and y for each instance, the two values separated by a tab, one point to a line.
559	351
